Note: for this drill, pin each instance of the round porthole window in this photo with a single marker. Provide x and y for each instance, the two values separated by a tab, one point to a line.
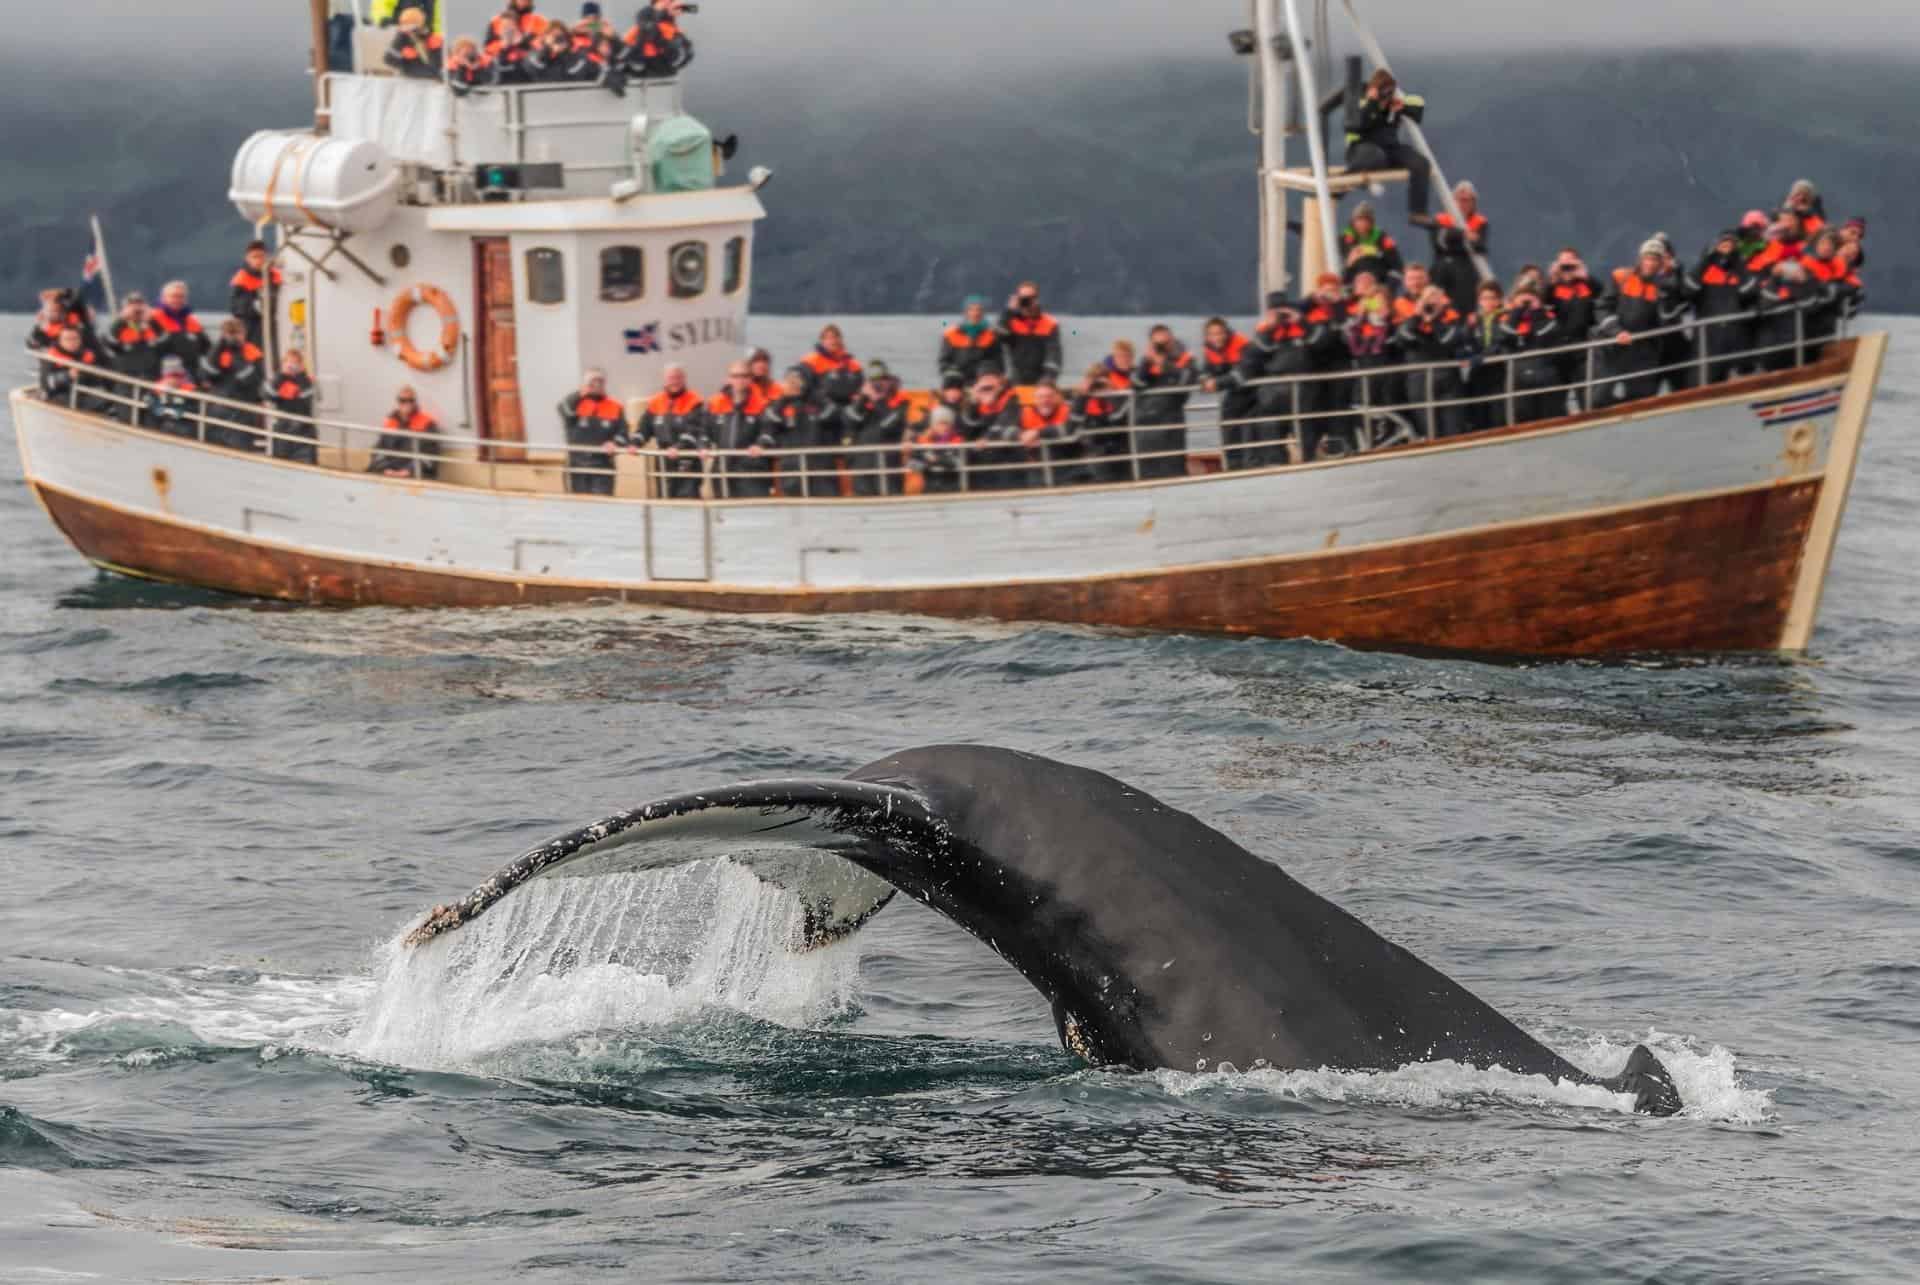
400	256
687	269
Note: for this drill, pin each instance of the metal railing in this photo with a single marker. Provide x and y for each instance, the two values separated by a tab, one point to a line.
1296	419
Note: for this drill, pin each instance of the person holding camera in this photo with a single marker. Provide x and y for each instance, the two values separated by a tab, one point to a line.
1434	335
655	45
1724	291
1575	300
1530	331
133	343
879	420
1373	139
1031	337
1098	415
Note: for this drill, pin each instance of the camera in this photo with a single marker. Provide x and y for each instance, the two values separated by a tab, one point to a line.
689	8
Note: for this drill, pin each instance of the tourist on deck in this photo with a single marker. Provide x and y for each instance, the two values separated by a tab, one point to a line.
656	45
1575	300
172	406
1162	415
1724	291
990	410
552	60
416	51
56	314
384	13
1055	454
1753	234
1325	316
1487	379
1223	356
1803	198
593	25
1368	248
1854	233
1454	269
1435	337
1783	298
835	378
760	371
879	419
1099	418
234	369
1853	292
291	395
972	345
937	451
1032	337
596	429
68	384
1278	351
1677	354
410	445
185	338
1373	138
469	69
737	416
1829	274
1786	239
1414	284
1642	298
1372	353
675	421
517	19
506	54
797	423
1530	331
133	343
255	290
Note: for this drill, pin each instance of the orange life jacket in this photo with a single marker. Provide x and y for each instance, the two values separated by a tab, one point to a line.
665	403
126	333
597	408
225	357
1774	253
1039	327
172	327
1824	269
418	422
530	24
288	389
1568	290
1227	358
822	365
410	52
1476	223
959	338
247	279
1634	286
1032	421
723	403
668	31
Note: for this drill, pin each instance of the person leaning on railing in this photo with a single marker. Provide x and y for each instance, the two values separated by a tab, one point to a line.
596	428
173	404
1531	331
1575	300
410	443
1643	298
1101	408
1371	351
985	420
291	395
1279	351
738	414
133	343
469	68
1168	366
880	420
1435	336
1223	356
935	459
796	422
1056	455
1836	283
234	368
1724	291
68	384
675	421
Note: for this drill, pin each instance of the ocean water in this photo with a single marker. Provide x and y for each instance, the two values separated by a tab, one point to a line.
216	817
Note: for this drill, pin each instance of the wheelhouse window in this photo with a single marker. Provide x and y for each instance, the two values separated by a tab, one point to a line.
687	269
623	275
734	268
546	276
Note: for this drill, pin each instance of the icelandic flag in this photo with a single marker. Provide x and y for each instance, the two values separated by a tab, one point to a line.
1791	410
644	340
93	280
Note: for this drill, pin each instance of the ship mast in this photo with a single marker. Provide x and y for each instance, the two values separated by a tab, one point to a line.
318	10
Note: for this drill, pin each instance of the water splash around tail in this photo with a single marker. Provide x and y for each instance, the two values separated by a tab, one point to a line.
568	957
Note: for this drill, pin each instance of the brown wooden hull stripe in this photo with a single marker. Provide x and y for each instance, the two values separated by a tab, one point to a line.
1714	572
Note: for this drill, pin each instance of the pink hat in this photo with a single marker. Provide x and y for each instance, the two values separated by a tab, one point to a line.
1754	219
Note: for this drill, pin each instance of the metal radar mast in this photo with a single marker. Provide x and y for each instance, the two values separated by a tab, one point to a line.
1291	95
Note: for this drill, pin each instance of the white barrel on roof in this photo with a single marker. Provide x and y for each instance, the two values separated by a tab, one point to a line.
306	180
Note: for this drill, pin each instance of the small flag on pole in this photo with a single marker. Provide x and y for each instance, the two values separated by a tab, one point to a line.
96	278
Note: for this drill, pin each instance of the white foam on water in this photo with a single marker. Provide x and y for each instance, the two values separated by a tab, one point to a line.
565	958
1709	1087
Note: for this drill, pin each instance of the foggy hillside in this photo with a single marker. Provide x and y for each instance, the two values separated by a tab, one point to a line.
1123	191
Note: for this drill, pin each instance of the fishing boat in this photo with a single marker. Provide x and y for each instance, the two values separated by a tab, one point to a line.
487	247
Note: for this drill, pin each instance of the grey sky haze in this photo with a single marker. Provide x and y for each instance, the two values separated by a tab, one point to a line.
1026	31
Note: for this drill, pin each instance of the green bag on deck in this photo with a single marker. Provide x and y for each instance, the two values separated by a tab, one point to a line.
681	151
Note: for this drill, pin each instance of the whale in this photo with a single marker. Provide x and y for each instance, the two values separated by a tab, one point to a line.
1158	941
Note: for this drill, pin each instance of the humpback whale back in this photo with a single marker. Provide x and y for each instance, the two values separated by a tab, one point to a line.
1158	940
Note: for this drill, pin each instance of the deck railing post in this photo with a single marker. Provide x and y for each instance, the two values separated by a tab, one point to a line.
1512	414
1363	436
1133	431
1700	332
1799	336
1433	409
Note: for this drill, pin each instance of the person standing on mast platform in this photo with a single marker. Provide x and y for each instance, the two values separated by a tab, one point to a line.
1373	139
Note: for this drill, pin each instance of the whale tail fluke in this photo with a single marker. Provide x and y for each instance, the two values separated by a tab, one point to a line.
1647	1078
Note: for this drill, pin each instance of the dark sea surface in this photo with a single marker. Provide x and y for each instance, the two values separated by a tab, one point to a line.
217	816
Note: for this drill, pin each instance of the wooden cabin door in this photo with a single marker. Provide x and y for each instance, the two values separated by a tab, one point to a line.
501	418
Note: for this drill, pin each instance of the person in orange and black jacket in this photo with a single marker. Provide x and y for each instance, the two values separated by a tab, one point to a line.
1786	239
291	394
1434	336
880	420
410	443
1804	199
1575	301
1531	331
1045	432
973	345
738	418
183	335
835	378
596	429
656	45
68	384
797	423
255	290
760	371
1723	291
234	369
1829	273
1486	379
1371	348
59	309
1453	249
1032	337
1784	297
1325	316
1223	353
1373	138
469	68
133	343
510	38
1639	299
416	51
173	404
1278	350
1100	409
1163	415
990	410
675	421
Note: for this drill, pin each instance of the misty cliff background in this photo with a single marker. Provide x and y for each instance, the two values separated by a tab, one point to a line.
904	185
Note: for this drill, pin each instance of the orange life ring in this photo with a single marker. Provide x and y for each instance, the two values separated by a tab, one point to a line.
403	305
